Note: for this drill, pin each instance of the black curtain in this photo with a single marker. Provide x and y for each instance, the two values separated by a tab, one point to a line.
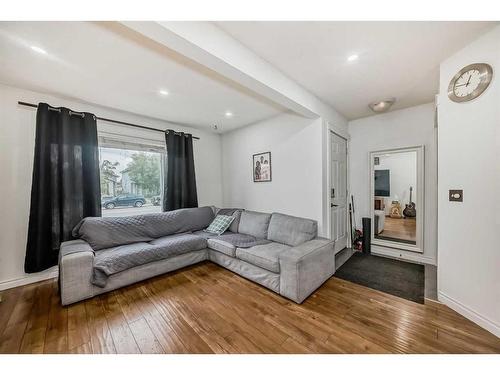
180	182
65	186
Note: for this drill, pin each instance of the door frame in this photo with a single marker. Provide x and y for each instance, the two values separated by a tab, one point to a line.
327	217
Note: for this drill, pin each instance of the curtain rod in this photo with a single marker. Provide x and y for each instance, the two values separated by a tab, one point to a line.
110	120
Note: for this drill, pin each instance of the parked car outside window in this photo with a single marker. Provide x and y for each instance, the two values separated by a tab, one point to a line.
124	200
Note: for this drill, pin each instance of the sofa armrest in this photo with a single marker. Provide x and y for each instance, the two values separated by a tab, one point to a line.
76	262
306	267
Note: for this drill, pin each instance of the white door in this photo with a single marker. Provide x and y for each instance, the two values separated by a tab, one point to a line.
338	190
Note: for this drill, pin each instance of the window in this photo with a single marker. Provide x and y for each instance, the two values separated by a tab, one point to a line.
131	174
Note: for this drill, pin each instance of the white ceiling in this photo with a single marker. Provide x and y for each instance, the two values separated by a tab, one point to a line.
110	65
396	59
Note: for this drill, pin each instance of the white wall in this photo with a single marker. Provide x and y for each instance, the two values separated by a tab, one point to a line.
402	175
404	128
469	159
17	133
297	169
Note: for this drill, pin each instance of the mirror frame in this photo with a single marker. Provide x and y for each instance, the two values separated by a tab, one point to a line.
419	246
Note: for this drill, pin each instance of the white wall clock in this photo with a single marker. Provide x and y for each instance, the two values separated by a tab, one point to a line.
470	82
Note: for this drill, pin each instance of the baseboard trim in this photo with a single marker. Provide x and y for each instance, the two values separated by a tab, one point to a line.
30	279
402	254
432	302
470	314
337	257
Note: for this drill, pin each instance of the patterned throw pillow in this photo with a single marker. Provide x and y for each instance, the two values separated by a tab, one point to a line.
220	224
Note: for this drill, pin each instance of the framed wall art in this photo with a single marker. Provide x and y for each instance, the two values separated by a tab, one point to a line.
262	167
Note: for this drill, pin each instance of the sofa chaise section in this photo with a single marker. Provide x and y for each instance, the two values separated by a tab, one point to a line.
116	251
76	263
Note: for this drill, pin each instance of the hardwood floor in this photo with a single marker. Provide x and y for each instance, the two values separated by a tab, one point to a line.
207	309
403	229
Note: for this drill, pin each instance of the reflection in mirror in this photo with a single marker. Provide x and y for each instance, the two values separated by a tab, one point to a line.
395	196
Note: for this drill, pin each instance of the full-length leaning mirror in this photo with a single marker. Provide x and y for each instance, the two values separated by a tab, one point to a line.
397	198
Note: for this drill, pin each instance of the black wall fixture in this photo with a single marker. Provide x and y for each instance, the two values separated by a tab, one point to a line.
367	235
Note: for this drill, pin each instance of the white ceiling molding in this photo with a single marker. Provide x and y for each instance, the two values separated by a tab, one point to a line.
208	45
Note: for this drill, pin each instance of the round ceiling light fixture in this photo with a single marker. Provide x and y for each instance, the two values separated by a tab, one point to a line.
382	106
352	58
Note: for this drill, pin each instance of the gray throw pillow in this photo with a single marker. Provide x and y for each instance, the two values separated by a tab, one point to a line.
220	224
236	212
236	222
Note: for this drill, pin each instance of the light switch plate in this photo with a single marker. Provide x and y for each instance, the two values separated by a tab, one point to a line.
456	196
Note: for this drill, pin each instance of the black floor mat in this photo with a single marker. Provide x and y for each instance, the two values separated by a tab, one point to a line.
402	279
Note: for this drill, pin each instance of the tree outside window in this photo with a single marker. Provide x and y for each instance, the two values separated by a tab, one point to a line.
134	174
144	172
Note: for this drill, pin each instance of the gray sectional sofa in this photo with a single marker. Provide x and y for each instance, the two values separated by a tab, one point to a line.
280	252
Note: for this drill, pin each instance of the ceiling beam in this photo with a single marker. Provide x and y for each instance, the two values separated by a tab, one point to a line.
212	47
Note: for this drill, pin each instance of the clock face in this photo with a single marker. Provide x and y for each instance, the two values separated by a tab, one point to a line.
470	82
467	83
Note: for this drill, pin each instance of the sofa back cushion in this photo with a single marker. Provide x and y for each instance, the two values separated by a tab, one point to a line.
105	232
254	223
291	230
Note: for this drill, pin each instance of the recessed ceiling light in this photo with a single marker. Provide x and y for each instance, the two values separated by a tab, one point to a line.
164	92
352	58
39	50
228	114
382	106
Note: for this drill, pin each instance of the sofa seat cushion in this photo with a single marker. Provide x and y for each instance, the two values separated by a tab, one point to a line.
179	243
221	246
110	261
264	256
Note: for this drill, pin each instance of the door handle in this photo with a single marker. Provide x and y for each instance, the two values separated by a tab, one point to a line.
333	205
